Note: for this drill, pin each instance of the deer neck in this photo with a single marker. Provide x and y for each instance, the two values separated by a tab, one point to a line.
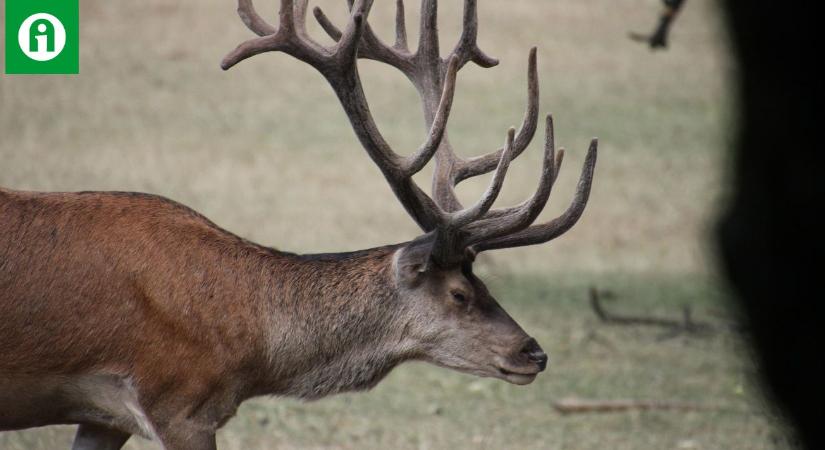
335	324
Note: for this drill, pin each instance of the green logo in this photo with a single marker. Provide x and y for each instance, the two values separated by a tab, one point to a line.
42	36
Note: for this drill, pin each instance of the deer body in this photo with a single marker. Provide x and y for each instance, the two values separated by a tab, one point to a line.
149	319
129	290
131	314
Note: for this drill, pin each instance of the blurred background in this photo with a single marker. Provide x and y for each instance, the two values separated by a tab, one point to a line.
265	151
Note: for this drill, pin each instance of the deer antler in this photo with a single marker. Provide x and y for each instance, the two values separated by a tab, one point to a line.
455	230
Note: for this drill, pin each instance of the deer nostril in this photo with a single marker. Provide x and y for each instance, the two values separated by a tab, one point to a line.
530	347
534	353
540	359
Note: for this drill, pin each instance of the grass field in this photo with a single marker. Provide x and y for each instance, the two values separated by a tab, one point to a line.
265	151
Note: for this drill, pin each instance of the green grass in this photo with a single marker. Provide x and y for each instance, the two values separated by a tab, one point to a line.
265	151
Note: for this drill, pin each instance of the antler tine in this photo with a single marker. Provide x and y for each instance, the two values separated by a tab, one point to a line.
251	48
538	234
347	47
287	15
253	21
506	221
450	237
460	218
467	48
287	38
551	166
482	164
370	46
428	32
507	211
326	24
400	27
300	16
425	153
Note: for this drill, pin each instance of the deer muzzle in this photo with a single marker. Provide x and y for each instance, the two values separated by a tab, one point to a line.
524	364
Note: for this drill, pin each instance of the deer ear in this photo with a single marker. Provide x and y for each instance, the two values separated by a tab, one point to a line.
413	259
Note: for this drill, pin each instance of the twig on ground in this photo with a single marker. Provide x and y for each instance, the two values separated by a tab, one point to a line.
574	405
675	326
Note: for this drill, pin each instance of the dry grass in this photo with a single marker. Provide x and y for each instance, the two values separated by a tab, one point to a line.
265	151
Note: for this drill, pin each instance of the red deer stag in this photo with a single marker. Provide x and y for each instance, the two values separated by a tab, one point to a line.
131	314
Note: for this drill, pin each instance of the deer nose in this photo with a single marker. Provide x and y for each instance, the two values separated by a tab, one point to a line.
534	353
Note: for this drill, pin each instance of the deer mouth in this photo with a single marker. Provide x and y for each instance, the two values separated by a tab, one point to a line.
522	367
520	377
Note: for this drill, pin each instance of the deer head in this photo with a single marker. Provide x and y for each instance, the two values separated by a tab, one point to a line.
457	323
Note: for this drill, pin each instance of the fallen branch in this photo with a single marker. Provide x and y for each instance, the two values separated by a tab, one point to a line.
686	323
574	405
659	37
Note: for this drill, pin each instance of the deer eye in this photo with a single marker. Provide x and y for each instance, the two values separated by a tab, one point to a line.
459	297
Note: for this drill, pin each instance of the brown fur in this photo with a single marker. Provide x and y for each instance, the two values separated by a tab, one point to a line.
137	314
